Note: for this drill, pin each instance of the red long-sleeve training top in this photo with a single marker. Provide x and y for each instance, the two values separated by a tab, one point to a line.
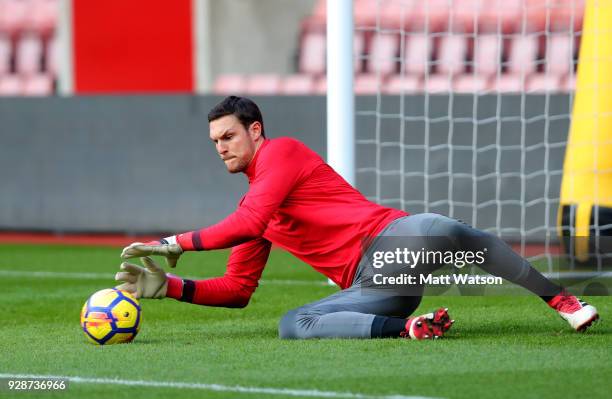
297	202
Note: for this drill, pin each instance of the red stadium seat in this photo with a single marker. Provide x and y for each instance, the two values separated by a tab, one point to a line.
451	54
13	14
5	54
466	15
29	51
537	15
368	84
508	83
365	12
543	83
438	84
430	16
487	54
567	15
229	84
398	84
298	85
523	54
42	16
382	57
470	84
502	16
395	14
10	85
418	50
263	84
37	85
560	49
312	53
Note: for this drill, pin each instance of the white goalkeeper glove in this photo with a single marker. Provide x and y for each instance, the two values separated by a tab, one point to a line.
143	282
167	247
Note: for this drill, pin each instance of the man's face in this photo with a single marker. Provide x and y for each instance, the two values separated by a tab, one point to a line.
235	145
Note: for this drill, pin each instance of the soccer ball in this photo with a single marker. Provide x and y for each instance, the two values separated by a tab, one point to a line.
111	316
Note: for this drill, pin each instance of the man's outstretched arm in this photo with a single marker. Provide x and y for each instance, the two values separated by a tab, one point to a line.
234	289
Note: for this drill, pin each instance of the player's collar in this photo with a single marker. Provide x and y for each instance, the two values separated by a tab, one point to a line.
250	170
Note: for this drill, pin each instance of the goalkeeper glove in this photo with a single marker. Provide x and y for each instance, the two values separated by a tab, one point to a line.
167	247
143	282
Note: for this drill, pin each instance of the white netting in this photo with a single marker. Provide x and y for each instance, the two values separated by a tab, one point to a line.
472	111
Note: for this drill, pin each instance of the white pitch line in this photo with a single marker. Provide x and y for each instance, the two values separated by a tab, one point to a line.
315	393
40	274
96	276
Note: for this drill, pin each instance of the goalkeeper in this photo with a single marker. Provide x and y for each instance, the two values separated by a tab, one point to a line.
298	202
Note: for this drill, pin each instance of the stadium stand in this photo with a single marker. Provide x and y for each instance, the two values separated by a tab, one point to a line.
28	64
399	45
465	46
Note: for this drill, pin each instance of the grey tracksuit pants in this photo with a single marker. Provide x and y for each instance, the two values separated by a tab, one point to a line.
349	313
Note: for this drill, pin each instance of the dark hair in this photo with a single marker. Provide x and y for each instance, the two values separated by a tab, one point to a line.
243	108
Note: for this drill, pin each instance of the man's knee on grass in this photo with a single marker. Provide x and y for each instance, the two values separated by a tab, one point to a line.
286	326
295	324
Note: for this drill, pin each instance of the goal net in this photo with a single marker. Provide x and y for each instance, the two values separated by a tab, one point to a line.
470	112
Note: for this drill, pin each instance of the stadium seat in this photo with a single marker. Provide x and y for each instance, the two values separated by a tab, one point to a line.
365	12
567	15
508	83
5	54
298	85
543	83
451	54
13	14
438	84
418	51
398	84
466	15
502	16
368	84
42	16
430	16
470	83
312	53
10	85
395	14
37	85
487	54
523	54
537	15
382	57
560	49
264	84
229	84
29	51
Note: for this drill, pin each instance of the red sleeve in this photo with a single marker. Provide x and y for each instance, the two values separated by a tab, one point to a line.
234	289
277	170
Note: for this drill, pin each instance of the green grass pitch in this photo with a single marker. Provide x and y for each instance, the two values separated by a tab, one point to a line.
500	347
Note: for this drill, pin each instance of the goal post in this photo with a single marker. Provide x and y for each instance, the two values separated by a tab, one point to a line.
340	96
